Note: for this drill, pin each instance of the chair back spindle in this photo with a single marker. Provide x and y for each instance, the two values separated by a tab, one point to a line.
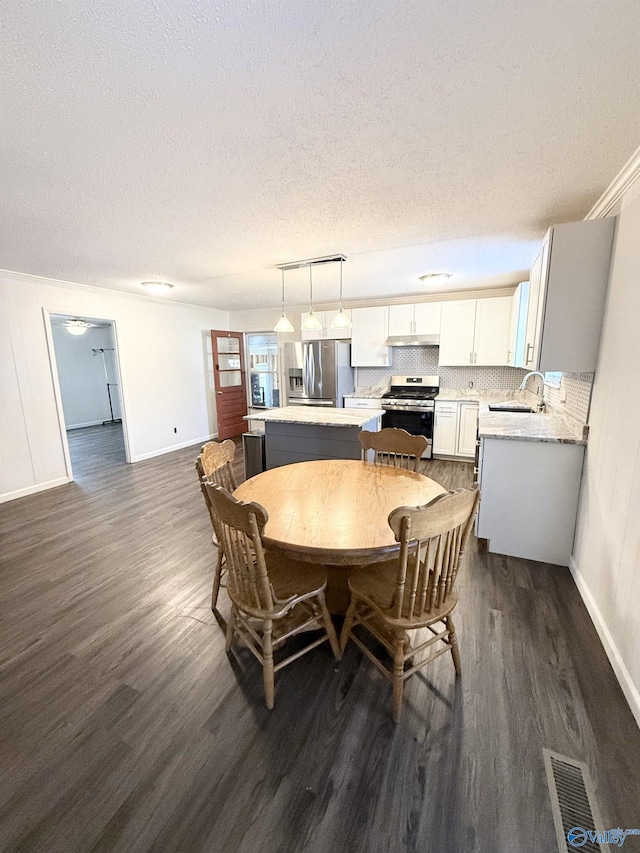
240	526
432	541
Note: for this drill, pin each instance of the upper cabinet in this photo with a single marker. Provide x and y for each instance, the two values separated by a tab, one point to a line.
370	331
326	318
475	331
568	287
422	318
517	328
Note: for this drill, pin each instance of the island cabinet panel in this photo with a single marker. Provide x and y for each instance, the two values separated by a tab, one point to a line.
290	442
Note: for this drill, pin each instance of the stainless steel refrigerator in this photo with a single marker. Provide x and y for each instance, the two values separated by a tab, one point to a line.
318	373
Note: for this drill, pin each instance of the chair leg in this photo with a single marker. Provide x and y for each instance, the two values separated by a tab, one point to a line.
267	662
328	625
455	651
398	672
217	575
230	626
348	624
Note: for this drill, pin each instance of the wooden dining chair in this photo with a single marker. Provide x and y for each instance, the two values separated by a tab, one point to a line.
215	464
273	598
393	446
417	590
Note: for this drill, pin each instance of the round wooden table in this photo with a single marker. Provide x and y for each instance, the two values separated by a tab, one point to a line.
334	512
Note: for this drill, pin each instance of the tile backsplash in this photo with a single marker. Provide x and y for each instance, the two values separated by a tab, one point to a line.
419	360
572	397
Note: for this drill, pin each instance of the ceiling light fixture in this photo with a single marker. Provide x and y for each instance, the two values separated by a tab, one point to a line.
284	324
311	322
157	288
433	277
77	327
341	321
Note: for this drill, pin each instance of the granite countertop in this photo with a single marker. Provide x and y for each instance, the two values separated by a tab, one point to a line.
318	415
530	426
517	426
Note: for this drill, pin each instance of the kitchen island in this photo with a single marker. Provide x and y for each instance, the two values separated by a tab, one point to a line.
305	433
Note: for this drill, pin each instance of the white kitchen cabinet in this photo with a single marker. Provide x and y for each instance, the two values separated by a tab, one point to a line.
568	288
362	402
455	428
457	330
467	429
423	318
475	331
491	338
529	498
368	335
517	327
326	318
401	319
445	429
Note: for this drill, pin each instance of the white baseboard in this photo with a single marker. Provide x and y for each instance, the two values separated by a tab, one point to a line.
629	689
191	443
31	490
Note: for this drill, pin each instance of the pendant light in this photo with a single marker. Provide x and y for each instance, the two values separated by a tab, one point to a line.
311	322
284	324
341	321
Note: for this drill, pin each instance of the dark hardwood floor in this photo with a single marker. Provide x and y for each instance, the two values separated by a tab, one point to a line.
125	727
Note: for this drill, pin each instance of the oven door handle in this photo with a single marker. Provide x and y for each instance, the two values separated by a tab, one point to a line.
419	409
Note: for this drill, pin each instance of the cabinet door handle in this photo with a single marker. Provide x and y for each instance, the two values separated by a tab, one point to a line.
471	357
529	347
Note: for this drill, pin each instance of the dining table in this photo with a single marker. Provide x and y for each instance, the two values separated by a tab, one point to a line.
334	512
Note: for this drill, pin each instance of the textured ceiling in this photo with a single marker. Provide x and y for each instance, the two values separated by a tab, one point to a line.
201	143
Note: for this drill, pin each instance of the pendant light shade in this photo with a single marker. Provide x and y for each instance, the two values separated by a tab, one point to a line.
311	322
341	321
284	324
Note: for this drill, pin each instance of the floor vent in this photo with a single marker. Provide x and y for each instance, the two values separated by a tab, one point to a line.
574	804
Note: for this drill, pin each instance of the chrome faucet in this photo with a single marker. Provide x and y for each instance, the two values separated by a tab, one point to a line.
541	394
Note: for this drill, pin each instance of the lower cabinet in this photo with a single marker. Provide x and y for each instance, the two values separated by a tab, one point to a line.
455	428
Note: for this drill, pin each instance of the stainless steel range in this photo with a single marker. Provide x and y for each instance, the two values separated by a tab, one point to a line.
409	404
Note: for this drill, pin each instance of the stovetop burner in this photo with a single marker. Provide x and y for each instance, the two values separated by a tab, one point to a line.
412	390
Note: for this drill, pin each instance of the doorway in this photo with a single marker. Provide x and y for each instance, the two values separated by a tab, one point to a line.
89	399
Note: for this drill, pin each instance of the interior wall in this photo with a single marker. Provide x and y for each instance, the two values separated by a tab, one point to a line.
165	365
83	385
606	560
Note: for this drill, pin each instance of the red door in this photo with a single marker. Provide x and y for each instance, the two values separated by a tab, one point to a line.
229	380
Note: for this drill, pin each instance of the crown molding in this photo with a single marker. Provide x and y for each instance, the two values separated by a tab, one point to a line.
629	173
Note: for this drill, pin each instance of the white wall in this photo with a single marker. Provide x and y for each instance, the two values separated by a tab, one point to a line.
606	561
83	385
165	365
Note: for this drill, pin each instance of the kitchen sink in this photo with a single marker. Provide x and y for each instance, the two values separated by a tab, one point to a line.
526	410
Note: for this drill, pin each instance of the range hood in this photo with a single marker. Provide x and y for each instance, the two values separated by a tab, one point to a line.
412	341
